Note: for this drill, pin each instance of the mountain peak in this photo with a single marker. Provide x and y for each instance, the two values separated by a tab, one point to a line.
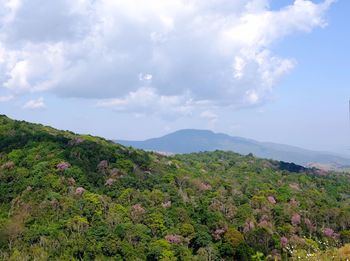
192	132
197	140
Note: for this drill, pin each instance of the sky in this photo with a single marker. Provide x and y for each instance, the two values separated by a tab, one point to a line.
270	70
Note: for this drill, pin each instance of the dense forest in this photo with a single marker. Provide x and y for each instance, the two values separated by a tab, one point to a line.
76	197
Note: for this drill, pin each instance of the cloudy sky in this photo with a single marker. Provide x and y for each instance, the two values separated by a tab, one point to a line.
272	70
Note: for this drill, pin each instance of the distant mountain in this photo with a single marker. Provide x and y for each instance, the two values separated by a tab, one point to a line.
191	140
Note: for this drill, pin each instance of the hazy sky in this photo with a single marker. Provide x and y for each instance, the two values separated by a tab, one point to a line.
273	70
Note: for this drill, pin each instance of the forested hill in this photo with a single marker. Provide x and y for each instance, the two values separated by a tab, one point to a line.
71	197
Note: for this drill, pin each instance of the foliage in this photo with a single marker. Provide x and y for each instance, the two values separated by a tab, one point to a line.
70	197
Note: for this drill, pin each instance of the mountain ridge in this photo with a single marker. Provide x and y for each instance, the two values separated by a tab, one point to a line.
197	140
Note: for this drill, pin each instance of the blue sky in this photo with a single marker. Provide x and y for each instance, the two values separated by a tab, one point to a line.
270	70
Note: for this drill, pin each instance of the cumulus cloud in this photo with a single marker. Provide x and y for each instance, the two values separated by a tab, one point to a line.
35	104
147	101
171	55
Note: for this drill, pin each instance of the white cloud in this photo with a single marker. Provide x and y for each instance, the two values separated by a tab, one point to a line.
9	9
6	98
147	101
145	77
18	76
209	115
152	53
34	68
35	104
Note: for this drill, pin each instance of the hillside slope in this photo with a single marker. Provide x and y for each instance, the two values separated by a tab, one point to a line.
70	197
188	141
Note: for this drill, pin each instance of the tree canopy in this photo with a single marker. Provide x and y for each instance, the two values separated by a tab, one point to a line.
65	196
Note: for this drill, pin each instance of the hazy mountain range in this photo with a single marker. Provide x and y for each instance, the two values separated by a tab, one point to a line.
191	140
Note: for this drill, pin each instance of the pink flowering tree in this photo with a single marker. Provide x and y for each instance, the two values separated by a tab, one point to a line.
79	191
136	212
328	232
173	239
63	166
103	167
109	182
248	226
8	165
296	219
75	141
308	224
271	199
219	232
284	242
201	185
166	204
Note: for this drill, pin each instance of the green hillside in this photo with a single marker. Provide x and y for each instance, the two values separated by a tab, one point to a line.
71	197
